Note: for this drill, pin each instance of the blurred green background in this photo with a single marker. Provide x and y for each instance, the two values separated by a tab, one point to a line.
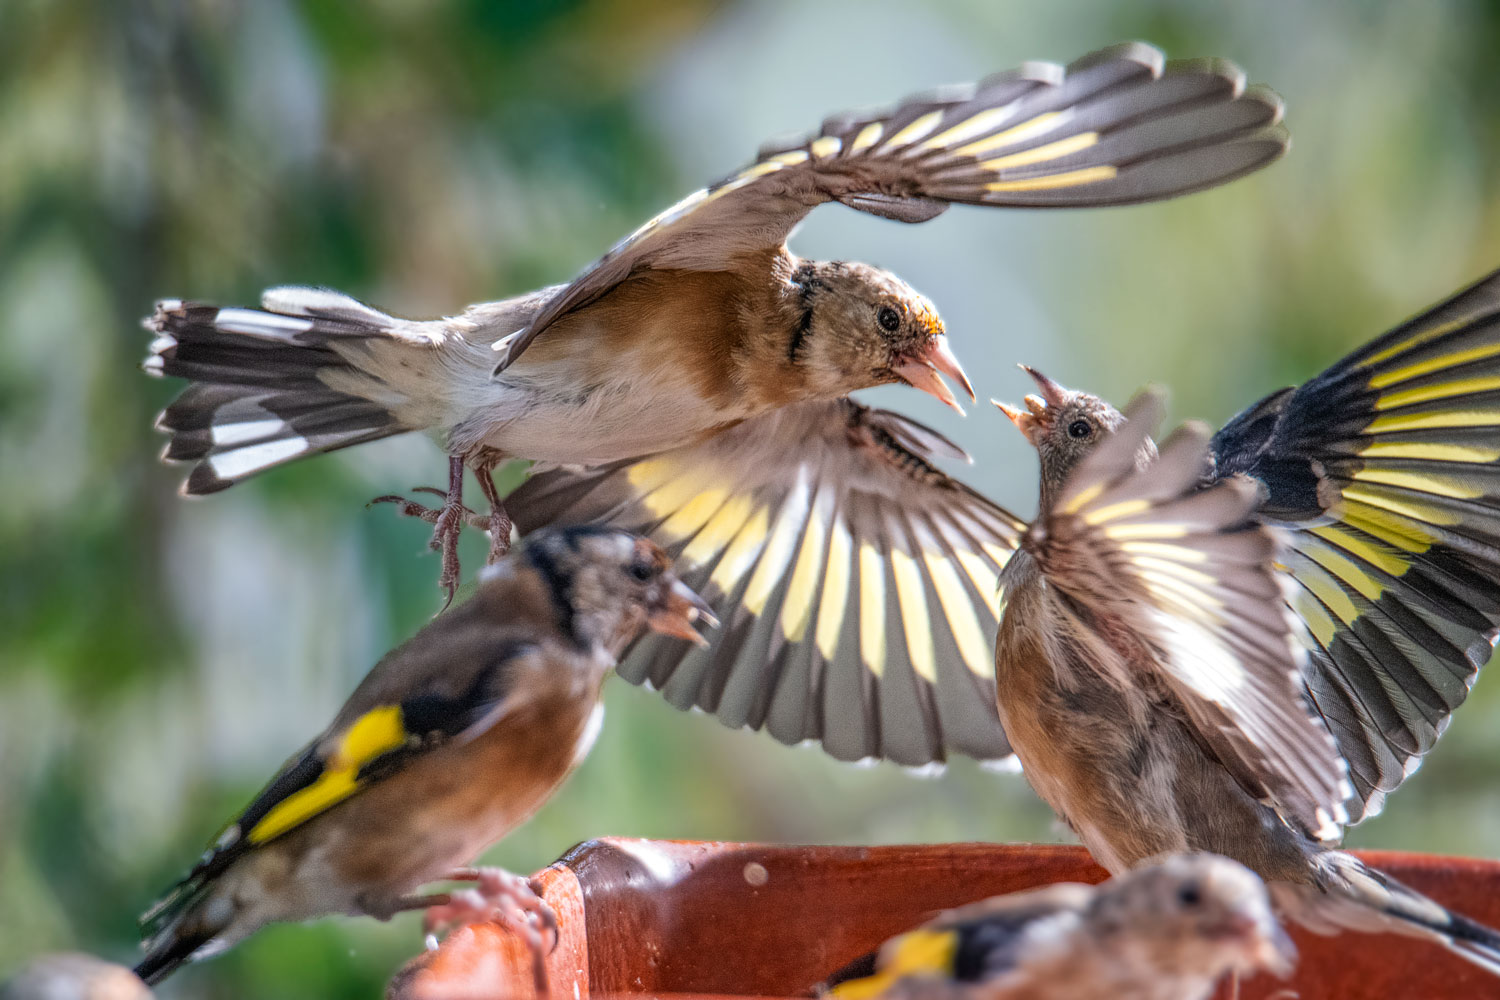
158	658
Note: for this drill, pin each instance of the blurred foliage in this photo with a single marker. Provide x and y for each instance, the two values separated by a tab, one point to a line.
158	658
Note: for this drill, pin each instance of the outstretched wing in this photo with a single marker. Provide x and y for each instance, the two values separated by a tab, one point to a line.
1188	571
1387	468
856	583
1116	127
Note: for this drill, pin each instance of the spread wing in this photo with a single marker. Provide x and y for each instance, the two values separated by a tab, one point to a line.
367	745
1116	127
1387	469
855	582
1188	571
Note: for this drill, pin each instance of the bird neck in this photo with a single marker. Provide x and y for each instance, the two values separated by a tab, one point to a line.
1053	479
771	359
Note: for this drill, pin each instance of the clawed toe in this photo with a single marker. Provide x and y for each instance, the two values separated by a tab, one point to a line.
409	508
449	518
509	900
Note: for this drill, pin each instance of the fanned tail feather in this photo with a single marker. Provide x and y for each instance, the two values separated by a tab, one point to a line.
262	382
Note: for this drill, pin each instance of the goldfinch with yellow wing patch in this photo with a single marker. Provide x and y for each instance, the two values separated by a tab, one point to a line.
1140	667
453	740
701	318
1169	931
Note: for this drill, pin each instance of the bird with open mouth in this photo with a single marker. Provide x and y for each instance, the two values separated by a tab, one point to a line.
702	319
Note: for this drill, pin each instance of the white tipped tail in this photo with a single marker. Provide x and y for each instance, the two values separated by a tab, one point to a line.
261	382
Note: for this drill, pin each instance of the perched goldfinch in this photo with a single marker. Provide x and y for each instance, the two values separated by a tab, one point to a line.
454	739
1168	931
702	318
1141	625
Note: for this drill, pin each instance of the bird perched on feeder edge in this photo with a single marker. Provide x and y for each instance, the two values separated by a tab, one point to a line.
1168	931
452	740
1381	478
702	318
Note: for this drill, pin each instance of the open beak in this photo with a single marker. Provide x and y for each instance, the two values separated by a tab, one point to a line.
682	610
1054	394
1037	417
926	371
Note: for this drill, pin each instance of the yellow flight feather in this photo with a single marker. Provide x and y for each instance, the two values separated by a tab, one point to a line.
1040	154
378	731
923	952
1015	134
1046	182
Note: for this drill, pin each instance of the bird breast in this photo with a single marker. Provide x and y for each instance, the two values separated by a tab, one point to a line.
649	367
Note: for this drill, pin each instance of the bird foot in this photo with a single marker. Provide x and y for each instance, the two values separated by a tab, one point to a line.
447	520
449	517
498	896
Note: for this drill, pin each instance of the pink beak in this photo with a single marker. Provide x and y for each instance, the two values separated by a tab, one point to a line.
1054	394
924	373
1034	419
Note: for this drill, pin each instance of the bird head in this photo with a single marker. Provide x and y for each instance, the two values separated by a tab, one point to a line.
1063	425
1194	915
857	326
613	584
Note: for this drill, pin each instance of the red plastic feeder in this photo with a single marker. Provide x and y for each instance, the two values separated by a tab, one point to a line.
682	917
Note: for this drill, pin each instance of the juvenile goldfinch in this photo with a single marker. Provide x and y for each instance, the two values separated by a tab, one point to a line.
1169	931
453	740
701	318
1144	677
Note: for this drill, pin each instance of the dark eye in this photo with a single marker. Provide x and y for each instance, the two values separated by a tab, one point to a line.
888	318
1080	429
1189	894
641	571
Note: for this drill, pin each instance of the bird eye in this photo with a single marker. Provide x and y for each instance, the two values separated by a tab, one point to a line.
888	318
1080	429
640	571
1189	894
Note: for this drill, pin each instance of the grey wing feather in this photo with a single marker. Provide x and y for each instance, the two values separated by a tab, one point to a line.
1116	127
855	582
1383	470
1195	577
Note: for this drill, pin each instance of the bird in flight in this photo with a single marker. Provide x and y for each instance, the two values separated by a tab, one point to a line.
702	319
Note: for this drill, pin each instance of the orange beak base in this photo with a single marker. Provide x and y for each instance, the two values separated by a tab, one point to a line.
681	612
1036	419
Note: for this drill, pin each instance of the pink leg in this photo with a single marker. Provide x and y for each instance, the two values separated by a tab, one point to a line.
509	900
447	520
498	522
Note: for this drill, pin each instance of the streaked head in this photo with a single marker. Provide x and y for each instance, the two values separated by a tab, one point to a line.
1063	425
609	584
859	326
1192	915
